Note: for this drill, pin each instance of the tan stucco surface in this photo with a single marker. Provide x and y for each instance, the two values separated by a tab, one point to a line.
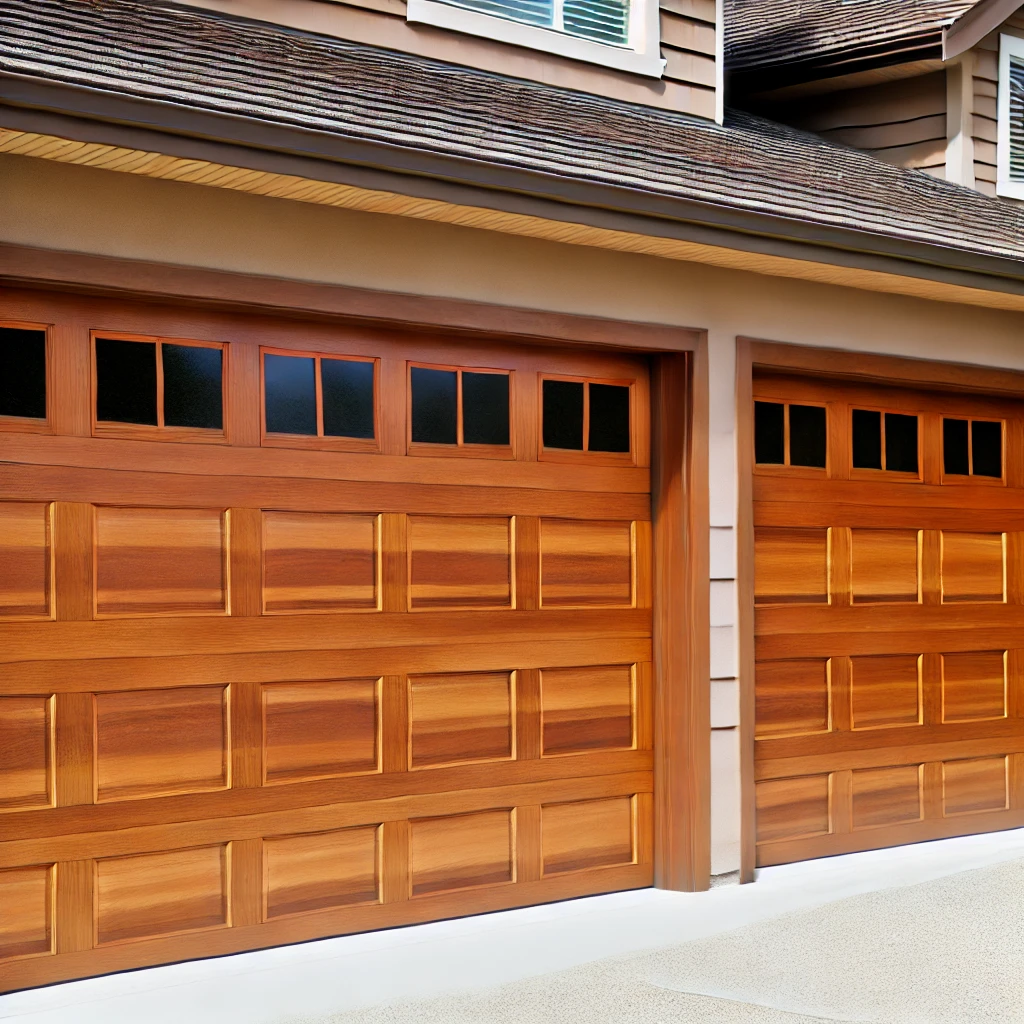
80	209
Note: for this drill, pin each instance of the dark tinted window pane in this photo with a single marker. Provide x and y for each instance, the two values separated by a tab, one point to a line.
485	408
954	447
563	414
434	406
769	433
987	448
348	397
900	443
807	435
22	373
609	418
289	386
867	439
192	387
126	381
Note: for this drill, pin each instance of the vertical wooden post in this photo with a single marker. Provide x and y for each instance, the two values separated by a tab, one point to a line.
681	600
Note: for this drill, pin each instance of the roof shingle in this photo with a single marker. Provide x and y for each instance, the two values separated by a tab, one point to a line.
186	56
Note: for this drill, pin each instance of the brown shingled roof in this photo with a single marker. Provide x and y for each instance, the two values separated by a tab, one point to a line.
190	58
815	38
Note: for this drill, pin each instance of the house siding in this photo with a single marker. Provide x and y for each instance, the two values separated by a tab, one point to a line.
902	122
688	31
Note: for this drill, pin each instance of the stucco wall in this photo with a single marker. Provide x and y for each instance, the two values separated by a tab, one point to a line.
84	210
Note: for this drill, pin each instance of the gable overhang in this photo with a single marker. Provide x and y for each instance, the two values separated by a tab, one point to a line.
984	18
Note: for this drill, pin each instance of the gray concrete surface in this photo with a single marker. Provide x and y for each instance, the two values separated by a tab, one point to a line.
945	951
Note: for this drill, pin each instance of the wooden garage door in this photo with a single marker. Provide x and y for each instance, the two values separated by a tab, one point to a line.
307	630
889	583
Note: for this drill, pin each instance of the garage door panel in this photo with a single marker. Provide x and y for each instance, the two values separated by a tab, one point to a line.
921	632
282	687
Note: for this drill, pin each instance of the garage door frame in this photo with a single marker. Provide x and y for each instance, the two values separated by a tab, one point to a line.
679	475
754	354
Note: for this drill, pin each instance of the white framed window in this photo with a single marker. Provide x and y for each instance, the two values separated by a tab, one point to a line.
1010	148
620	34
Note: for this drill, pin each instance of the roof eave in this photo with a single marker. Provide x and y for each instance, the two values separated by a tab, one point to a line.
92	115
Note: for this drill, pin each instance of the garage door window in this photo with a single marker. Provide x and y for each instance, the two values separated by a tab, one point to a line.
972	448
22	373
313	400
465	410
786	434
586	416
143	382
885	440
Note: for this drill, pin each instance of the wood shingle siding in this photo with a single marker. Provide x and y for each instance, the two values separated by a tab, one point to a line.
901	122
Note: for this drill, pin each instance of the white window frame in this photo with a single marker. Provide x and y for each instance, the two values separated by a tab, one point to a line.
641	55
1009	46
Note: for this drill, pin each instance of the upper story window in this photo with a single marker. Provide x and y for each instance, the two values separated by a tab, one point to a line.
1010	154
621	34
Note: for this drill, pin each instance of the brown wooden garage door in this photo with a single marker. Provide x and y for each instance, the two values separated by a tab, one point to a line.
889	583
308	630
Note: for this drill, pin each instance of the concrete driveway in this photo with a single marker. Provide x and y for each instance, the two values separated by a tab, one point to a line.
927	934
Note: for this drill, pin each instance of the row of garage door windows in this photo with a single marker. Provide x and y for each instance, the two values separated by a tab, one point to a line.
163	384
787	434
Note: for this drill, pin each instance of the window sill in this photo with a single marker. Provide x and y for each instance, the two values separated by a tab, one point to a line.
1010	189
646	62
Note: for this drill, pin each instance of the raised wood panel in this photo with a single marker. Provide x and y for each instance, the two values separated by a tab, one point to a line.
26	752
460	717
24	560
460	562
974	785
792	808
460	852
587	834
587	708
885	690
921	630
26	912
168	561
586	564
974	686
790	566
320	871
159	742
792	698
886	796
230	771
320	729
320	562
161	893
885	565
973	566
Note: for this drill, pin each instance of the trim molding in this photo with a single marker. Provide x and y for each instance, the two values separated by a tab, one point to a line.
78	272
752	354
976	23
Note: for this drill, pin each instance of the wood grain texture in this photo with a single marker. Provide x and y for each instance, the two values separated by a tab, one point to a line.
791	566
793	698
161	894
26	752
461	852
293	692
919	632
317	730
160	561
588	834
25	559
588	709
320	562
161	742
460	717
26	897
586	564
460	562
320	871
